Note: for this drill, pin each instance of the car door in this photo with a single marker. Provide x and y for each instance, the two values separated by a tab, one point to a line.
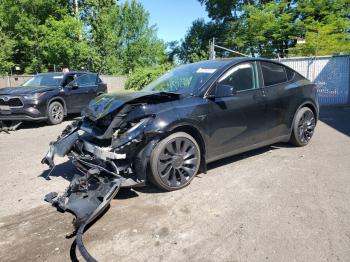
279	94
237	117
80	91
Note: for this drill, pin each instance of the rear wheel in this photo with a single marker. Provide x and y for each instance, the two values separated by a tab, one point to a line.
175	161
55	113
303	127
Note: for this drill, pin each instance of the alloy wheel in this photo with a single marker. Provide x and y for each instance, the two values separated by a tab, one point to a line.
306	126
178	162
57	112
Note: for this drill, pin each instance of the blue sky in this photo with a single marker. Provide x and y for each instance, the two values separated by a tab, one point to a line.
173	17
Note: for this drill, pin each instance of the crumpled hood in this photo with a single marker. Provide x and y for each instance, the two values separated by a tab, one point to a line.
107	103
24	90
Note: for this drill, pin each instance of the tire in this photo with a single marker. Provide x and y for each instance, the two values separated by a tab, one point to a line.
55	113
303	127
175	161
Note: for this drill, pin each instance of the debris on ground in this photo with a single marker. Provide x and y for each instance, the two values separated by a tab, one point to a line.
7	126
86	197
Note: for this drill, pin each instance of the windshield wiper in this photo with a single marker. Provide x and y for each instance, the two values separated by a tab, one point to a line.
169	93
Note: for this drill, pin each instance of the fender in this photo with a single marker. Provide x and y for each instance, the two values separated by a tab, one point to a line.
191	124
60	99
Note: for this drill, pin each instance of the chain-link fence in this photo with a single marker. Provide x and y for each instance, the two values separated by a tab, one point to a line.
330	73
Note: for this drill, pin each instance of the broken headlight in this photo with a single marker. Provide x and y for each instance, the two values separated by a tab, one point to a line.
132	133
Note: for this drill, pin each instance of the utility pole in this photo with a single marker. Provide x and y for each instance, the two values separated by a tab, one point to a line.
318	35
212	49
75	8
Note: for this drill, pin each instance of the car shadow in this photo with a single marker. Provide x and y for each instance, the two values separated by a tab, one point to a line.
337	118
151	189
252	153
66	170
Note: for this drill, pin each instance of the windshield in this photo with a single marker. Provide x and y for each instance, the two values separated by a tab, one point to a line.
185	79
44	80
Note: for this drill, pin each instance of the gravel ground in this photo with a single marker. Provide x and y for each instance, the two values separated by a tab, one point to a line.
278	203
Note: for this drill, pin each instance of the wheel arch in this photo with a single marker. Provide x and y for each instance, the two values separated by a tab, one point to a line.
308	104
60	100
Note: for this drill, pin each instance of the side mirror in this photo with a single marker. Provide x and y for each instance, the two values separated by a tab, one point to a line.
224	90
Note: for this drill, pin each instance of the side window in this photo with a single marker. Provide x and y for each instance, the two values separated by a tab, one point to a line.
68	79
290	73
241	77
87	79
273	73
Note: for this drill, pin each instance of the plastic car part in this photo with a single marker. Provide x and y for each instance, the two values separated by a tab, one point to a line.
86	197
6	126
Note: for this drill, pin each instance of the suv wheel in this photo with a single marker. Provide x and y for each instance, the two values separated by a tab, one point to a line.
175	161
55	113
303	127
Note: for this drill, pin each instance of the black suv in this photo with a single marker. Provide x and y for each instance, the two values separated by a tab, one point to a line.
50	96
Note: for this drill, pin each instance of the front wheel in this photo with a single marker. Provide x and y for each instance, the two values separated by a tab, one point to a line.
303	127
55	113
175	161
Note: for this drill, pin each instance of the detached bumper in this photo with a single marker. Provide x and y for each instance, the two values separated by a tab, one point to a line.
86	197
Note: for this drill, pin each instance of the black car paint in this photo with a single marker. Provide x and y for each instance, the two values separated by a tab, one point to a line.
222	126
74	99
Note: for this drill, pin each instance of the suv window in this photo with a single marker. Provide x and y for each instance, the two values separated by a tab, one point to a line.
87	79
273	73
68	79
241	77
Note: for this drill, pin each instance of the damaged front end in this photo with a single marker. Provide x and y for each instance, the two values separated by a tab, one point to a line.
111	148
118	144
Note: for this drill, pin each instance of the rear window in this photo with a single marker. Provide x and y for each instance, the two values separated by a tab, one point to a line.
273	73
87	79
290	73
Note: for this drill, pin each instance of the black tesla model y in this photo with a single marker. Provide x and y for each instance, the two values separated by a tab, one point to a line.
192	115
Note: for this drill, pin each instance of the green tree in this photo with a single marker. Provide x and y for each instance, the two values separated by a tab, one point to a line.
271	28
263	30
100	18
6	52
22	21
142	76
100	35
195	46
138	44
325	26
62	43
173	51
